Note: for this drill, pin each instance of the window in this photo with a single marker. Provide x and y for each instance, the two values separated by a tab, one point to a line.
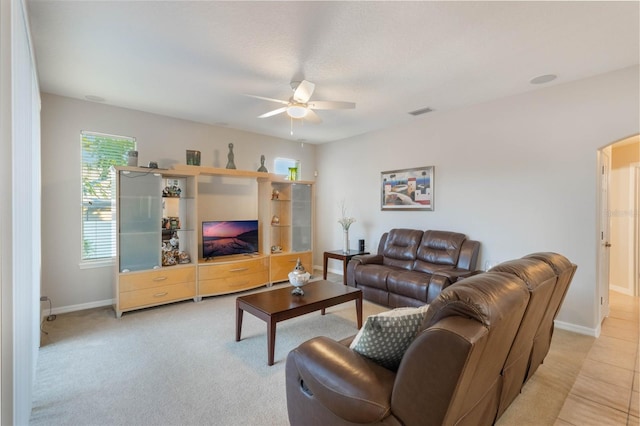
281	166
99	153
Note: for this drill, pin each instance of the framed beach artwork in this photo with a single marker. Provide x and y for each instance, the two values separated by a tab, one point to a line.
407	189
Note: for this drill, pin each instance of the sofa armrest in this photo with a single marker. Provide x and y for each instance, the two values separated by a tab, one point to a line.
428	378
454	275
468	255
351	386
366	259
363	259
442	279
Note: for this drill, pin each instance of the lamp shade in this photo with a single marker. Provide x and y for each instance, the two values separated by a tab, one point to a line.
297	111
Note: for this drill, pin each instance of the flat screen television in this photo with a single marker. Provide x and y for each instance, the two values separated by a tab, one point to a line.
225	238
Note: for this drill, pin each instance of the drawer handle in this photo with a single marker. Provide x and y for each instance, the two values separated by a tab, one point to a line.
238	269
161	294
160	278
239	284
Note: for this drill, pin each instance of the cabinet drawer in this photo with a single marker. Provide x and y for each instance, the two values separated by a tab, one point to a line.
281	265
156	295
160	277
233	283
233	269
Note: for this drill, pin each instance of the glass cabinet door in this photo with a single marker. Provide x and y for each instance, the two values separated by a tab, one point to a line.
301	217
140	220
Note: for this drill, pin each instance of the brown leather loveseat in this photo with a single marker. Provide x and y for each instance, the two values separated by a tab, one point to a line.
412	267
480	341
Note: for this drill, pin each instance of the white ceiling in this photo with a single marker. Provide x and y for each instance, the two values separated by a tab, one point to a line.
195	60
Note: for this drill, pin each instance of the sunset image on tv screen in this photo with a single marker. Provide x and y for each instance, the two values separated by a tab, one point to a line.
224	238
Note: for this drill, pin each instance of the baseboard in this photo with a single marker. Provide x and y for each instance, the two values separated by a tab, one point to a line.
82	306
577	328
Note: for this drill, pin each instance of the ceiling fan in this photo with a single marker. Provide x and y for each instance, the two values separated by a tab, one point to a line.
300	107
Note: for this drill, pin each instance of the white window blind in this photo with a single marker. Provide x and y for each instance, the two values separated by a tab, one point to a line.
99	153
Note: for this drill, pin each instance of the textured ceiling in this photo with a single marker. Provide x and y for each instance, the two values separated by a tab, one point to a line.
196	60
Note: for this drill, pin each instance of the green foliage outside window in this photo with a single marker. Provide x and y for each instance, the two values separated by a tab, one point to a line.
100	153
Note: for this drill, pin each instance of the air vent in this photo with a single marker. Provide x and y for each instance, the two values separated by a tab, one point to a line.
421	111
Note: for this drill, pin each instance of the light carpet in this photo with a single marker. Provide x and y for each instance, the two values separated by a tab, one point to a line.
179	364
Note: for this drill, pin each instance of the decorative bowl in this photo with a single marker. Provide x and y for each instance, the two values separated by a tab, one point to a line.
298	280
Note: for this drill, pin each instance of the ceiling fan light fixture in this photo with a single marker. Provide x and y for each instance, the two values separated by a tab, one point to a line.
297	111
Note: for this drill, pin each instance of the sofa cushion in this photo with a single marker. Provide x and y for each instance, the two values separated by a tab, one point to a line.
409	283
400	247
372	275
385	337
438	250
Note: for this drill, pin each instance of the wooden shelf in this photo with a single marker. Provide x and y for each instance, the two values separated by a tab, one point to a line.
217	171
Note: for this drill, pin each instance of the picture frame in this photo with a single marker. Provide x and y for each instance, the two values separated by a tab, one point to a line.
407	189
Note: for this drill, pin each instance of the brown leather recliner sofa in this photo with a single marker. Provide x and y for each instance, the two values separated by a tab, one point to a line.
481	340
412	267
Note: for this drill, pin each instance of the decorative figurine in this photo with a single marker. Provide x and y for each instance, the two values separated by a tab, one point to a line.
171	191
230	163
183	257
262	167
168	255
174	241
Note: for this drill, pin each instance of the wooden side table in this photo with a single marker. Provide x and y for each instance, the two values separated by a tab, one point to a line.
340	255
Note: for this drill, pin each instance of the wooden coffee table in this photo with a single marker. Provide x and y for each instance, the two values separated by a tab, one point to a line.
278	305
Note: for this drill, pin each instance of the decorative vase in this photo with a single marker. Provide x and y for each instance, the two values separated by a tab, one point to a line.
345	241
193	157
293	173
132	158
298	277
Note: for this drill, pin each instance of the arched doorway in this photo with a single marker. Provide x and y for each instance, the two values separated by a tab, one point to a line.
619	230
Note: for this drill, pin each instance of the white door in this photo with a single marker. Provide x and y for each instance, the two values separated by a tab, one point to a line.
603	237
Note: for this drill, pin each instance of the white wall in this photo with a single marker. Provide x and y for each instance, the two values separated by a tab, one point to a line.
160	139
6	259
518	174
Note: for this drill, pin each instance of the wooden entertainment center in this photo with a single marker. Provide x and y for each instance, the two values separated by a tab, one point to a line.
157	210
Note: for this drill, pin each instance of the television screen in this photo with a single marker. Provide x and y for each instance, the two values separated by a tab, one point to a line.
224	238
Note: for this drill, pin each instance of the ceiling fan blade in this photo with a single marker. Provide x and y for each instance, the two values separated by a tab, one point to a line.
312	117
272	113
303	92
269	99
331	105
